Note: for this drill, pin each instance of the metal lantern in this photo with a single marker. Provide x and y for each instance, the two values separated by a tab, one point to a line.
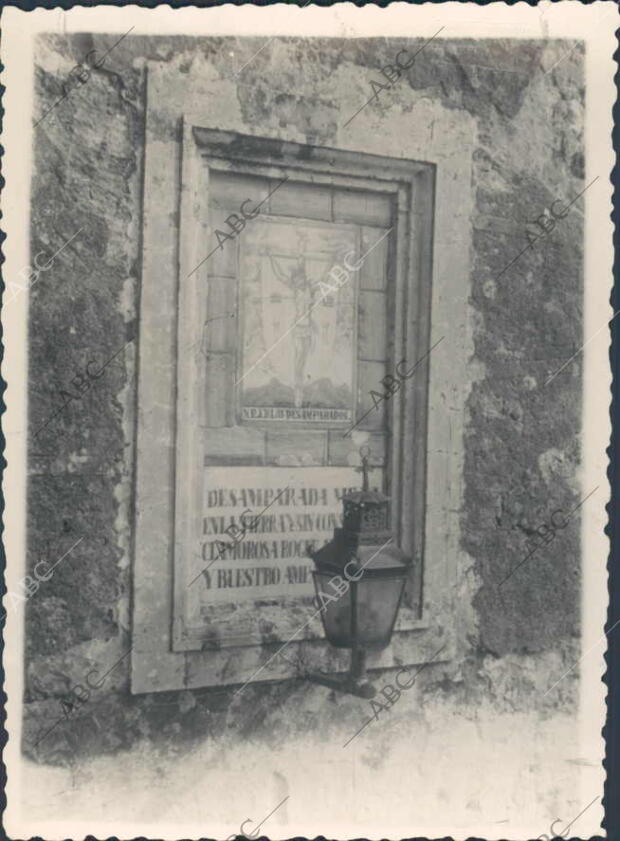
359	578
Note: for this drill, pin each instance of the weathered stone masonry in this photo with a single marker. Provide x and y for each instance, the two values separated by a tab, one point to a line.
521	449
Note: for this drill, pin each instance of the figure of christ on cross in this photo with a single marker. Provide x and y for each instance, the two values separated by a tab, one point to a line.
305	330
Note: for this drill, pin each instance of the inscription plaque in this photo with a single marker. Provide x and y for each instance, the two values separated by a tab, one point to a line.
256	527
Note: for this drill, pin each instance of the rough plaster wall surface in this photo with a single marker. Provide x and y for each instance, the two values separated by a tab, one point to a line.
446	754
521	454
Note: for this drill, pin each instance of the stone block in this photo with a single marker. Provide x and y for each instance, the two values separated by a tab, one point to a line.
296	447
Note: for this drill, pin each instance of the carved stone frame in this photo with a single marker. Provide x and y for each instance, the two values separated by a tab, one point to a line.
175	191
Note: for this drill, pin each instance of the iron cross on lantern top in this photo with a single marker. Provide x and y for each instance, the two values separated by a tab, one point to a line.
365	466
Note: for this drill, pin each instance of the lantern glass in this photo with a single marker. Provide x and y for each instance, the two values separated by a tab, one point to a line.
336	614
365	615
378	599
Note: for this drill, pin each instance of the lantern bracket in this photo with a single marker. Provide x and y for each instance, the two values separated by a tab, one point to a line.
354	682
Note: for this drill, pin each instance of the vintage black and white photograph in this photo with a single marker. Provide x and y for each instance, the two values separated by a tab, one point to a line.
306	321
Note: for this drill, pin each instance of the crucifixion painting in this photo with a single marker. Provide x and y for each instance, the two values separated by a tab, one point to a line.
306	295
298	342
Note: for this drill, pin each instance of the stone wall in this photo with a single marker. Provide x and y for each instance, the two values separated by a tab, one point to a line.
521	453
